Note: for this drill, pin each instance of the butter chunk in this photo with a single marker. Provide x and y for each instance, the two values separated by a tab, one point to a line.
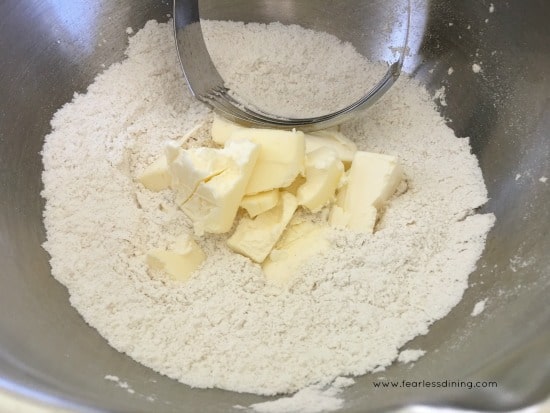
213	205
362	220
190	167
280	161
256	237
331	138
222	129
323	172
156	177
180	262
294	186
299	242
259	203
377	175
371	181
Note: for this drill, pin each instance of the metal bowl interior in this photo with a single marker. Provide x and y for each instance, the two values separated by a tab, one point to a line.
50	49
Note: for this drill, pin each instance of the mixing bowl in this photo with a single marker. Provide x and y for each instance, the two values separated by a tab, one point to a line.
51	48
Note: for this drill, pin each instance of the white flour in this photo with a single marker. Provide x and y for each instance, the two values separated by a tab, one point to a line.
312	399
478	308
348	311
122	384
410	355
287	74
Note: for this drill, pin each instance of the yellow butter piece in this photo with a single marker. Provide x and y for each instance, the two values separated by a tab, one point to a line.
377	174
280	161
299	242
256	237
294	186
362	220
156	176
331	138
259	203
371	181
189	167
323	172
214	204
180	262
222	129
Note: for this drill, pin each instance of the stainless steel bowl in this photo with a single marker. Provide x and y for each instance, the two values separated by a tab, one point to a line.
51	48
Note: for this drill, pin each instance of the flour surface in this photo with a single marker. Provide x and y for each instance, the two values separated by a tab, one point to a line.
311	399
295	72
347	312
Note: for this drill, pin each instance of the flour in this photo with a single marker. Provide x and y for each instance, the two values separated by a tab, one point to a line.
311	399
441	96
287	74
151	398
346	312
120	383
478	308
410	355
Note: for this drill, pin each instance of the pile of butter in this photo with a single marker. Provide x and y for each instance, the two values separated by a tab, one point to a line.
269	174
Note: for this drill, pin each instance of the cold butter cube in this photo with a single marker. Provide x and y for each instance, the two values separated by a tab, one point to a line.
331	138
223	175
190	167
180	262
295	185
323	171
259	203
299	243
280	161
222	129
377	174
156	177
256	237
362	220
371	181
